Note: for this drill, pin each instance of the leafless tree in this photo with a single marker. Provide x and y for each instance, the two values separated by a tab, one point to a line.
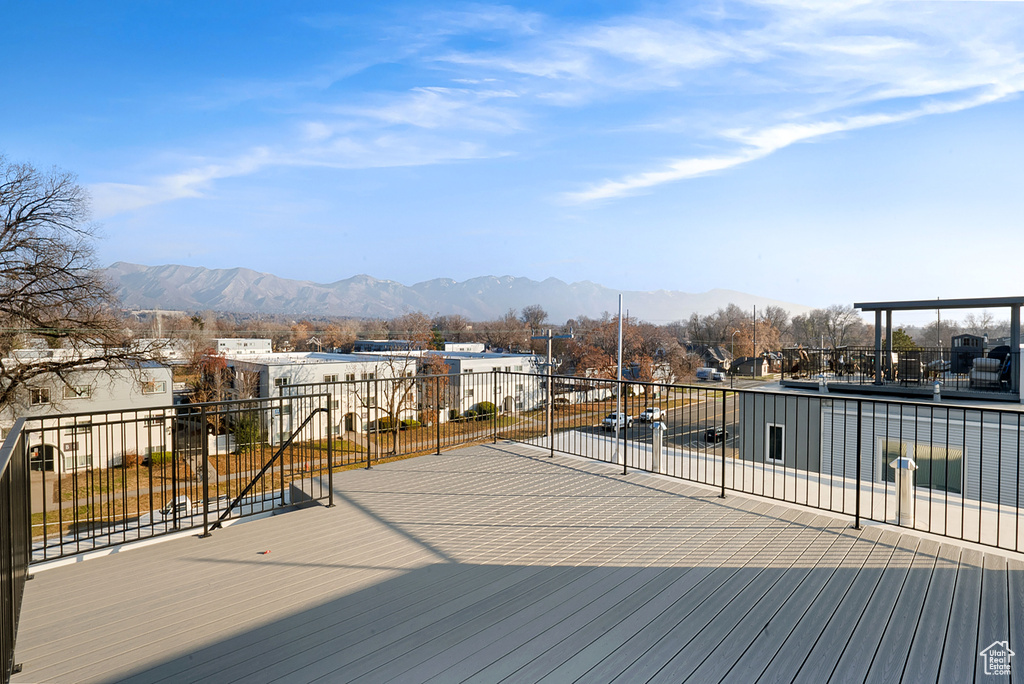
51	295
452	327
533	317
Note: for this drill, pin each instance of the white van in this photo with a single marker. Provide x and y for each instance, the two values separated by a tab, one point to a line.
711	374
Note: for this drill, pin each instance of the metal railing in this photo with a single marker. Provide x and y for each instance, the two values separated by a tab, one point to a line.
15	542
102	479
819	450
954	368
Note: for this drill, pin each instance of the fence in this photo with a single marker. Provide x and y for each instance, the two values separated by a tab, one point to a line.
15	542
957	368
100	479
818	450
104	479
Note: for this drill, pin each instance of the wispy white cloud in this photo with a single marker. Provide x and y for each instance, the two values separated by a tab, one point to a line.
485	78
757	144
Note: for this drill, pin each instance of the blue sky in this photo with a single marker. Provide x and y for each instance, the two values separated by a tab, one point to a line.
814	152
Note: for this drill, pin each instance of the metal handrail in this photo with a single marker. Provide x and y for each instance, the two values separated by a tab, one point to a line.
227	512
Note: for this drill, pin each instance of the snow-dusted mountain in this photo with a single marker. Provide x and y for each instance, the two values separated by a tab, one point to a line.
191	288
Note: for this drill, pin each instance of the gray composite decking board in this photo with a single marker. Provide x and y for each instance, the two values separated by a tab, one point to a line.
166	603
254	613
539	635
130	635
301	630
566	639
753	637
866	639
1015	587
891	655
489	644
960	652
184	549
683	619
679	642
805	627
489	608
342	650
742	619
544	635
822	659
925	650
994	613
583	648
776	631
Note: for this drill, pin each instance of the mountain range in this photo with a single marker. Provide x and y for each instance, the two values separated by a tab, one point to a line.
241	290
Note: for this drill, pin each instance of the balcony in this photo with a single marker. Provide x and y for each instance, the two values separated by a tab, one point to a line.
496	562
748	535
963	374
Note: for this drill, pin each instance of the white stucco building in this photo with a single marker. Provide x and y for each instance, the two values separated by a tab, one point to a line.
104	413
363	388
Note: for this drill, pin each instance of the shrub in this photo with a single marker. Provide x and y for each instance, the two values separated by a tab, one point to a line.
158	458
485	409
130	460
453	414
410	423
469	415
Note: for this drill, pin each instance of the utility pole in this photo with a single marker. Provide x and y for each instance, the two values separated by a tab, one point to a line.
754	371
550	418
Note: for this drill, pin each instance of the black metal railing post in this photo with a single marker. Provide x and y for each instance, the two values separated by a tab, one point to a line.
856	519
204	468
15	541
494	395
437	418
622	423
330	451
725	433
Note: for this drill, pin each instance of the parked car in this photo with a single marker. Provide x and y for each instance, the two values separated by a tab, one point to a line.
614	420
716	434
651	414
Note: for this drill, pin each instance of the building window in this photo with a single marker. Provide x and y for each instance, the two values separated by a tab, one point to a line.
39	395
775	442
82	429
154	387
331	378
468	394
77	391
368	376
938	466
282	381
467	370
350	377
519	369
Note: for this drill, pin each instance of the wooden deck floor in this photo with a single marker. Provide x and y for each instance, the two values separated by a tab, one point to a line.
496	563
